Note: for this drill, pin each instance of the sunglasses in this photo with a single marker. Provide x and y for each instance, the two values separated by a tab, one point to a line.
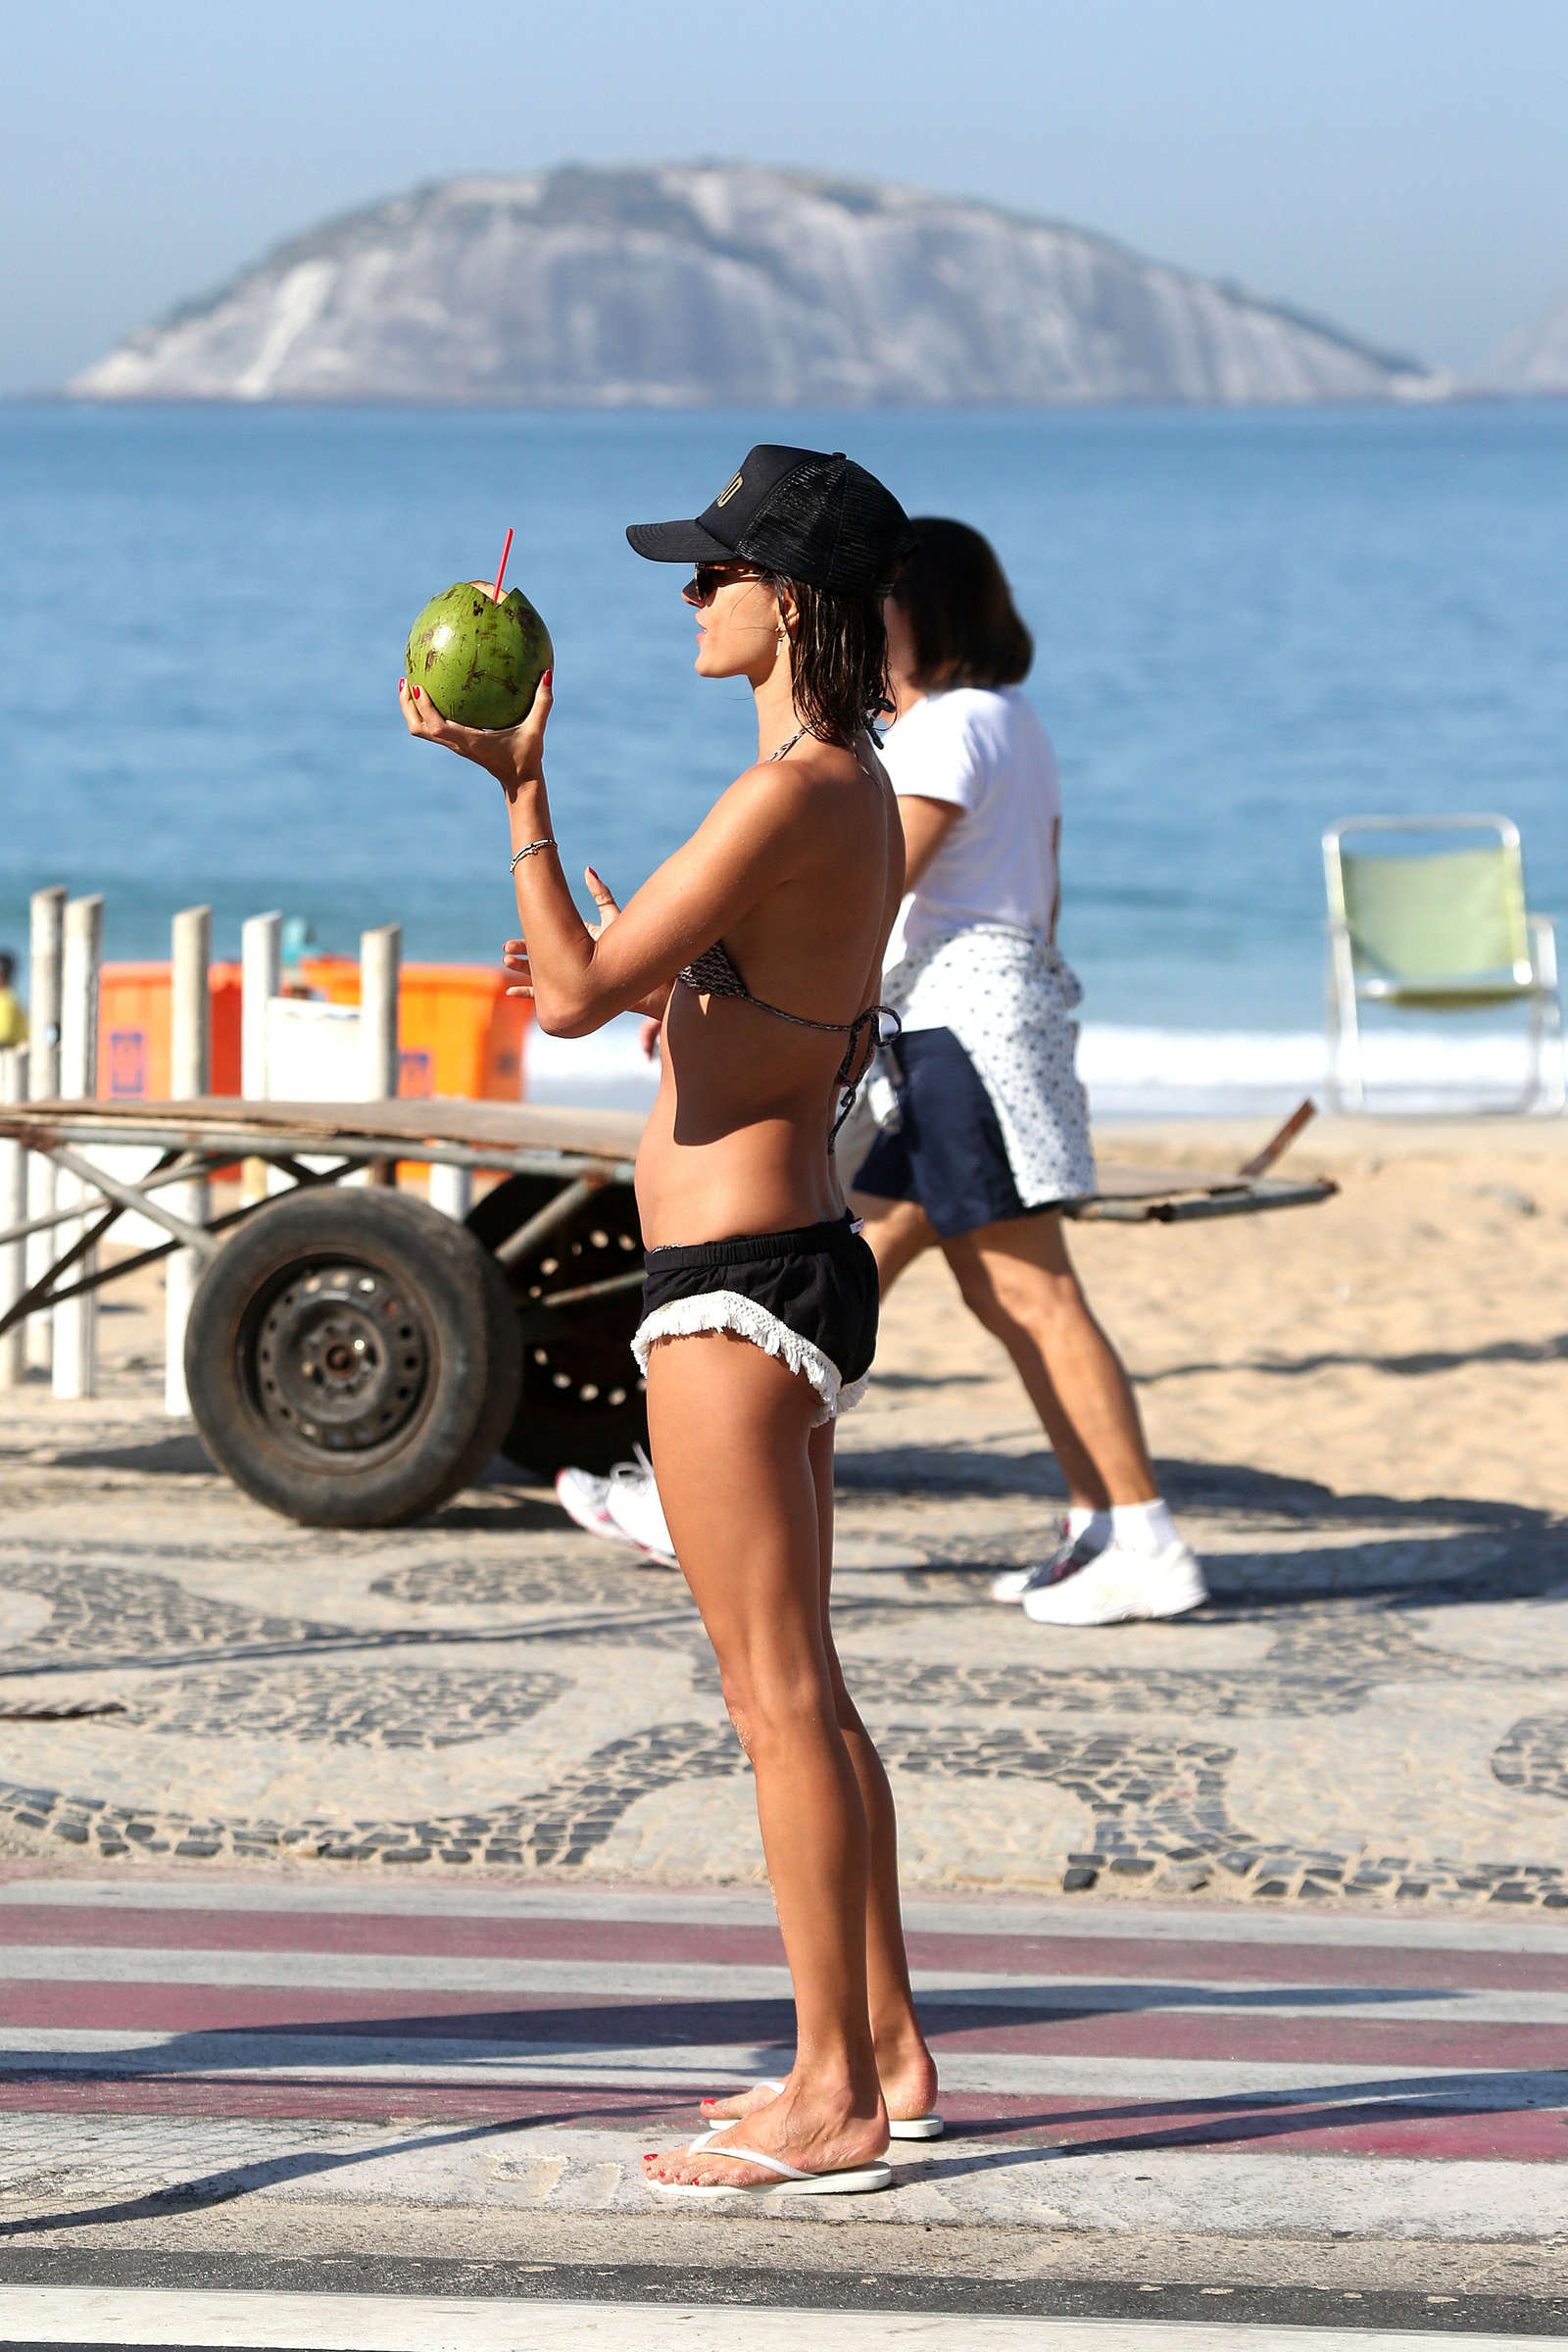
707	578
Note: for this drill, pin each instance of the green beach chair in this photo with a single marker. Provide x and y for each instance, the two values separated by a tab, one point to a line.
1425	927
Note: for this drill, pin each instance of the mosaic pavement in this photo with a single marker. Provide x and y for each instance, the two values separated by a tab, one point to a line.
1374	1705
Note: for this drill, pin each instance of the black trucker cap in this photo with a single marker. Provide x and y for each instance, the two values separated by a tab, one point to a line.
798	512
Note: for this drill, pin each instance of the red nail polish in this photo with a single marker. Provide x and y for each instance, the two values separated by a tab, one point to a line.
548	675
416	693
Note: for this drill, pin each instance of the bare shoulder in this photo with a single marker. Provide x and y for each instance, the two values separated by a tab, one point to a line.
823	777
815	784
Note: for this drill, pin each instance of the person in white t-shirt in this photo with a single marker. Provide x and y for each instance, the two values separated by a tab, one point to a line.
984	1130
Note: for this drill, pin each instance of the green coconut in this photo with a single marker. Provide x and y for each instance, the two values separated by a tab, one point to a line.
480	661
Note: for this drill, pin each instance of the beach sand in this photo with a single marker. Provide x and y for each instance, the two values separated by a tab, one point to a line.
1408	1339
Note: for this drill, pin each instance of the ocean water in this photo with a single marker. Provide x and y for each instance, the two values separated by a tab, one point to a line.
1247	626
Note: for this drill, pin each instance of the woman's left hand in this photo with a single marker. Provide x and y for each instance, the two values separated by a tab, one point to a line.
515	954
514	962
514	755
604	898
519	970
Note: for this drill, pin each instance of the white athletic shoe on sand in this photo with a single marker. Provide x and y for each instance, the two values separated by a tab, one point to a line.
581	1495
636	1510
589	1500
1118	1583
1069	1556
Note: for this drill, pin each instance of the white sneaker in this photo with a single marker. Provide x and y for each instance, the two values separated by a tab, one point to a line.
634	1511
1071	1554
1118	1583
585	1497
581	1495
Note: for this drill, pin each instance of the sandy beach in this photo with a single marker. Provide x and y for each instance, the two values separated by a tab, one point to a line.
1408	1339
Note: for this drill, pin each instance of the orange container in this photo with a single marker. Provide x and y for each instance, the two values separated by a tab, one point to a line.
459	1031
133	1031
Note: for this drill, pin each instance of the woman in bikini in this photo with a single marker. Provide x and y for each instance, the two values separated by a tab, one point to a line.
758	946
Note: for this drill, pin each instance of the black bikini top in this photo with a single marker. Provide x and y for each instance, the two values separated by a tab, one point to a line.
714	973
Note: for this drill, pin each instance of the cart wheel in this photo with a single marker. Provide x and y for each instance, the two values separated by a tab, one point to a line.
582	1402
352	1358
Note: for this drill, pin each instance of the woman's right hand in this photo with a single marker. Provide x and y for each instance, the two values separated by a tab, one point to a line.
514	755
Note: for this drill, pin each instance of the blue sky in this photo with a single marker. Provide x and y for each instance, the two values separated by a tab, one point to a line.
1399	166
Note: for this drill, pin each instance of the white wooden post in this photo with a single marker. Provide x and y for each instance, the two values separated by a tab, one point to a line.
76	1321
380	963
261	979
380	968
46	934
189	1075
451	1190
13	1160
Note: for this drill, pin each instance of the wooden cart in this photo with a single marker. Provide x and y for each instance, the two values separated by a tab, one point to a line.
353	1356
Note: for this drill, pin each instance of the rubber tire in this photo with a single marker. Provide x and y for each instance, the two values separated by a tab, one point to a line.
474	1358
560	1427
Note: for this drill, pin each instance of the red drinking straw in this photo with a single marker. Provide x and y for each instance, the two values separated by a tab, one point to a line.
502	573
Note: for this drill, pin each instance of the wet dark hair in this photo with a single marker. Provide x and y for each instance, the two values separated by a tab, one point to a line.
955	595
838	659
8	964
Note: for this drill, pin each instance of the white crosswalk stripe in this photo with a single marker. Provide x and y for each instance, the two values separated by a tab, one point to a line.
332	2322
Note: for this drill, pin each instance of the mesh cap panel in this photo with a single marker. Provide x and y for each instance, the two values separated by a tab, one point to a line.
832	524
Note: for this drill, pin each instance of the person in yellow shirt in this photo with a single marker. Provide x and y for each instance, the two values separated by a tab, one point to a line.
13	1020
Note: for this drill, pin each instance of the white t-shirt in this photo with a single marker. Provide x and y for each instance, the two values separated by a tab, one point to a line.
988	753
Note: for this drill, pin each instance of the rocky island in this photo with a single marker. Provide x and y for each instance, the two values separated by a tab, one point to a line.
707	285
1534	361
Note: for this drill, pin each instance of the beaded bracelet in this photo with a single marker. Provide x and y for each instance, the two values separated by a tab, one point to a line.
527	849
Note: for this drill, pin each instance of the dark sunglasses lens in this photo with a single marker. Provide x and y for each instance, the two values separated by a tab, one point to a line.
707	578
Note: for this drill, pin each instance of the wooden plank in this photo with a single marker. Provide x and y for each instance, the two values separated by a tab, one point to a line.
511	1126
225	1122
1114	1183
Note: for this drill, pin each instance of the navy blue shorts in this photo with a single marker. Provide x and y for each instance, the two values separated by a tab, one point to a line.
948	1152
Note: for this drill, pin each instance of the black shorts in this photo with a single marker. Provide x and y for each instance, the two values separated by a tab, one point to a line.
809	1298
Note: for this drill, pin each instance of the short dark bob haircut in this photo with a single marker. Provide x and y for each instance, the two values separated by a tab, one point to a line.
955	598
838	659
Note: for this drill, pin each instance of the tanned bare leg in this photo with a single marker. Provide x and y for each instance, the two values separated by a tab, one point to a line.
905	2064
731	1439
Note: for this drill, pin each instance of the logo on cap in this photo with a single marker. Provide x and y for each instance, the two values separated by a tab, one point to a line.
724	496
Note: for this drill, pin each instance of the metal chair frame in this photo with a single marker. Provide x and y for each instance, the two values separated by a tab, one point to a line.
1535	975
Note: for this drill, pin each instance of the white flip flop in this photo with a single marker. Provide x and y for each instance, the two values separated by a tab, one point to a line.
854	2180
914	2127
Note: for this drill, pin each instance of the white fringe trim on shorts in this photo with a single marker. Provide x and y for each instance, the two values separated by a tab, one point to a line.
733	1312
